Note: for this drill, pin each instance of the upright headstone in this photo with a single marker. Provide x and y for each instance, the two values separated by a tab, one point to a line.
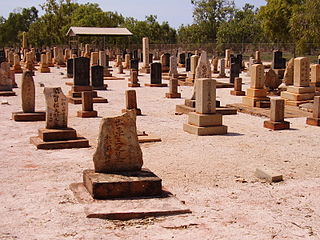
156	76
87	105
203	69
44	68
288	74
278	62
28	98
234	72
173	89
133	79
70	68
182	59
16	66
301	91
6	80
134	63
173	72
257	94
315	119
145	49
227	57
272	80
94	60
315	75
81	71
131	102
97	81
276	121
222	72
237	88
205	121
258	58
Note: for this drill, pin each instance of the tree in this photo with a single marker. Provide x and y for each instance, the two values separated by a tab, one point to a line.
243	28
304	26
275	18
17	22
209	14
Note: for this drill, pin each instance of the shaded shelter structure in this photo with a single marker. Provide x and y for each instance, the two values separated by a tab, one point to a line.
75	33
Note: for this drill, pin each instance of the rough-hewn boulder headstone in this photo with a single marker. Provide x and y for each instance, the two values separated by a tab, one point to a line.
118	148
272	80
288	74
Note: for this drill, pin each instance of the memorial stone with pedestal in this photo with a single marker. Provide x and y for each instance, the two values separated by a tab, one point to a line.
237	88
257	94
118	163
301	91
205	121
131	102
315	119
173	89
97	81
44	68
16	65
276	121
315	76
133	79
156	76
173	72
6	81
57	135
87	106
28	97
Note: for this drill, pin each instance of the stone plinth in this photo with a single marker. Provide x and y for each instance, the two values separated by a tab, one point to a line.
205	121
276	121
315	119
122	185
44	68
173	89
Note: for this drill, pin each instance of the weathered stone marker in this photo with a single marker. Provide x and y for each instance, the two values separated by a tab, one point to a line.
6	82
173	89
28	113
133	79
87	106
237	88
315	76
257	94
118	163
205	121
146	60
173	72
276	121
44	68
315	119
16	64
156	76
57	135
268	175
301	91
97	80
131	102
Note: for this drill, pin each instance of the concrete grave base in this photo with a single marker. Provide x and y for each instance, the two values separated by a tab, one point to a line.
142	183
296	103
113	78
313	121
75	100
87	114
276	125
59	139
156	85
137	111
184	109
133	84
237	93
7	93
253	101
173	95
130	208
204	131
28	117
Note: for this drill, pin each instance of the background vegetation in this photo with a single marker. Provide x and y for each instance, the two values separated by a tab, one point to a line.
281	22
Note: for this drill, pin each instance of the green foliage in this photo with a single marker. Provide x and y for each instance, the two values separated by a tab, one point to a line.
209	14
157	33
243	28
304	26
17	22
275	18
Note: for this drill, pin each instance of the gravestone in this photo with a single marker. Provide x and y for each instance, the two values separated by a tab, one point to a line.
97	81
16	65
44	68
70	68
145	49
81	74
156	76
205	120
315	75
133	79
28	98
288	74
301	91
87	105
315	119
134	63
203	69
188	64
173	72
131	102
234	71
278	62
237	88
222	72
182	59
6	80
118	162
272	80
257	94
173	89
57	135
276	121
